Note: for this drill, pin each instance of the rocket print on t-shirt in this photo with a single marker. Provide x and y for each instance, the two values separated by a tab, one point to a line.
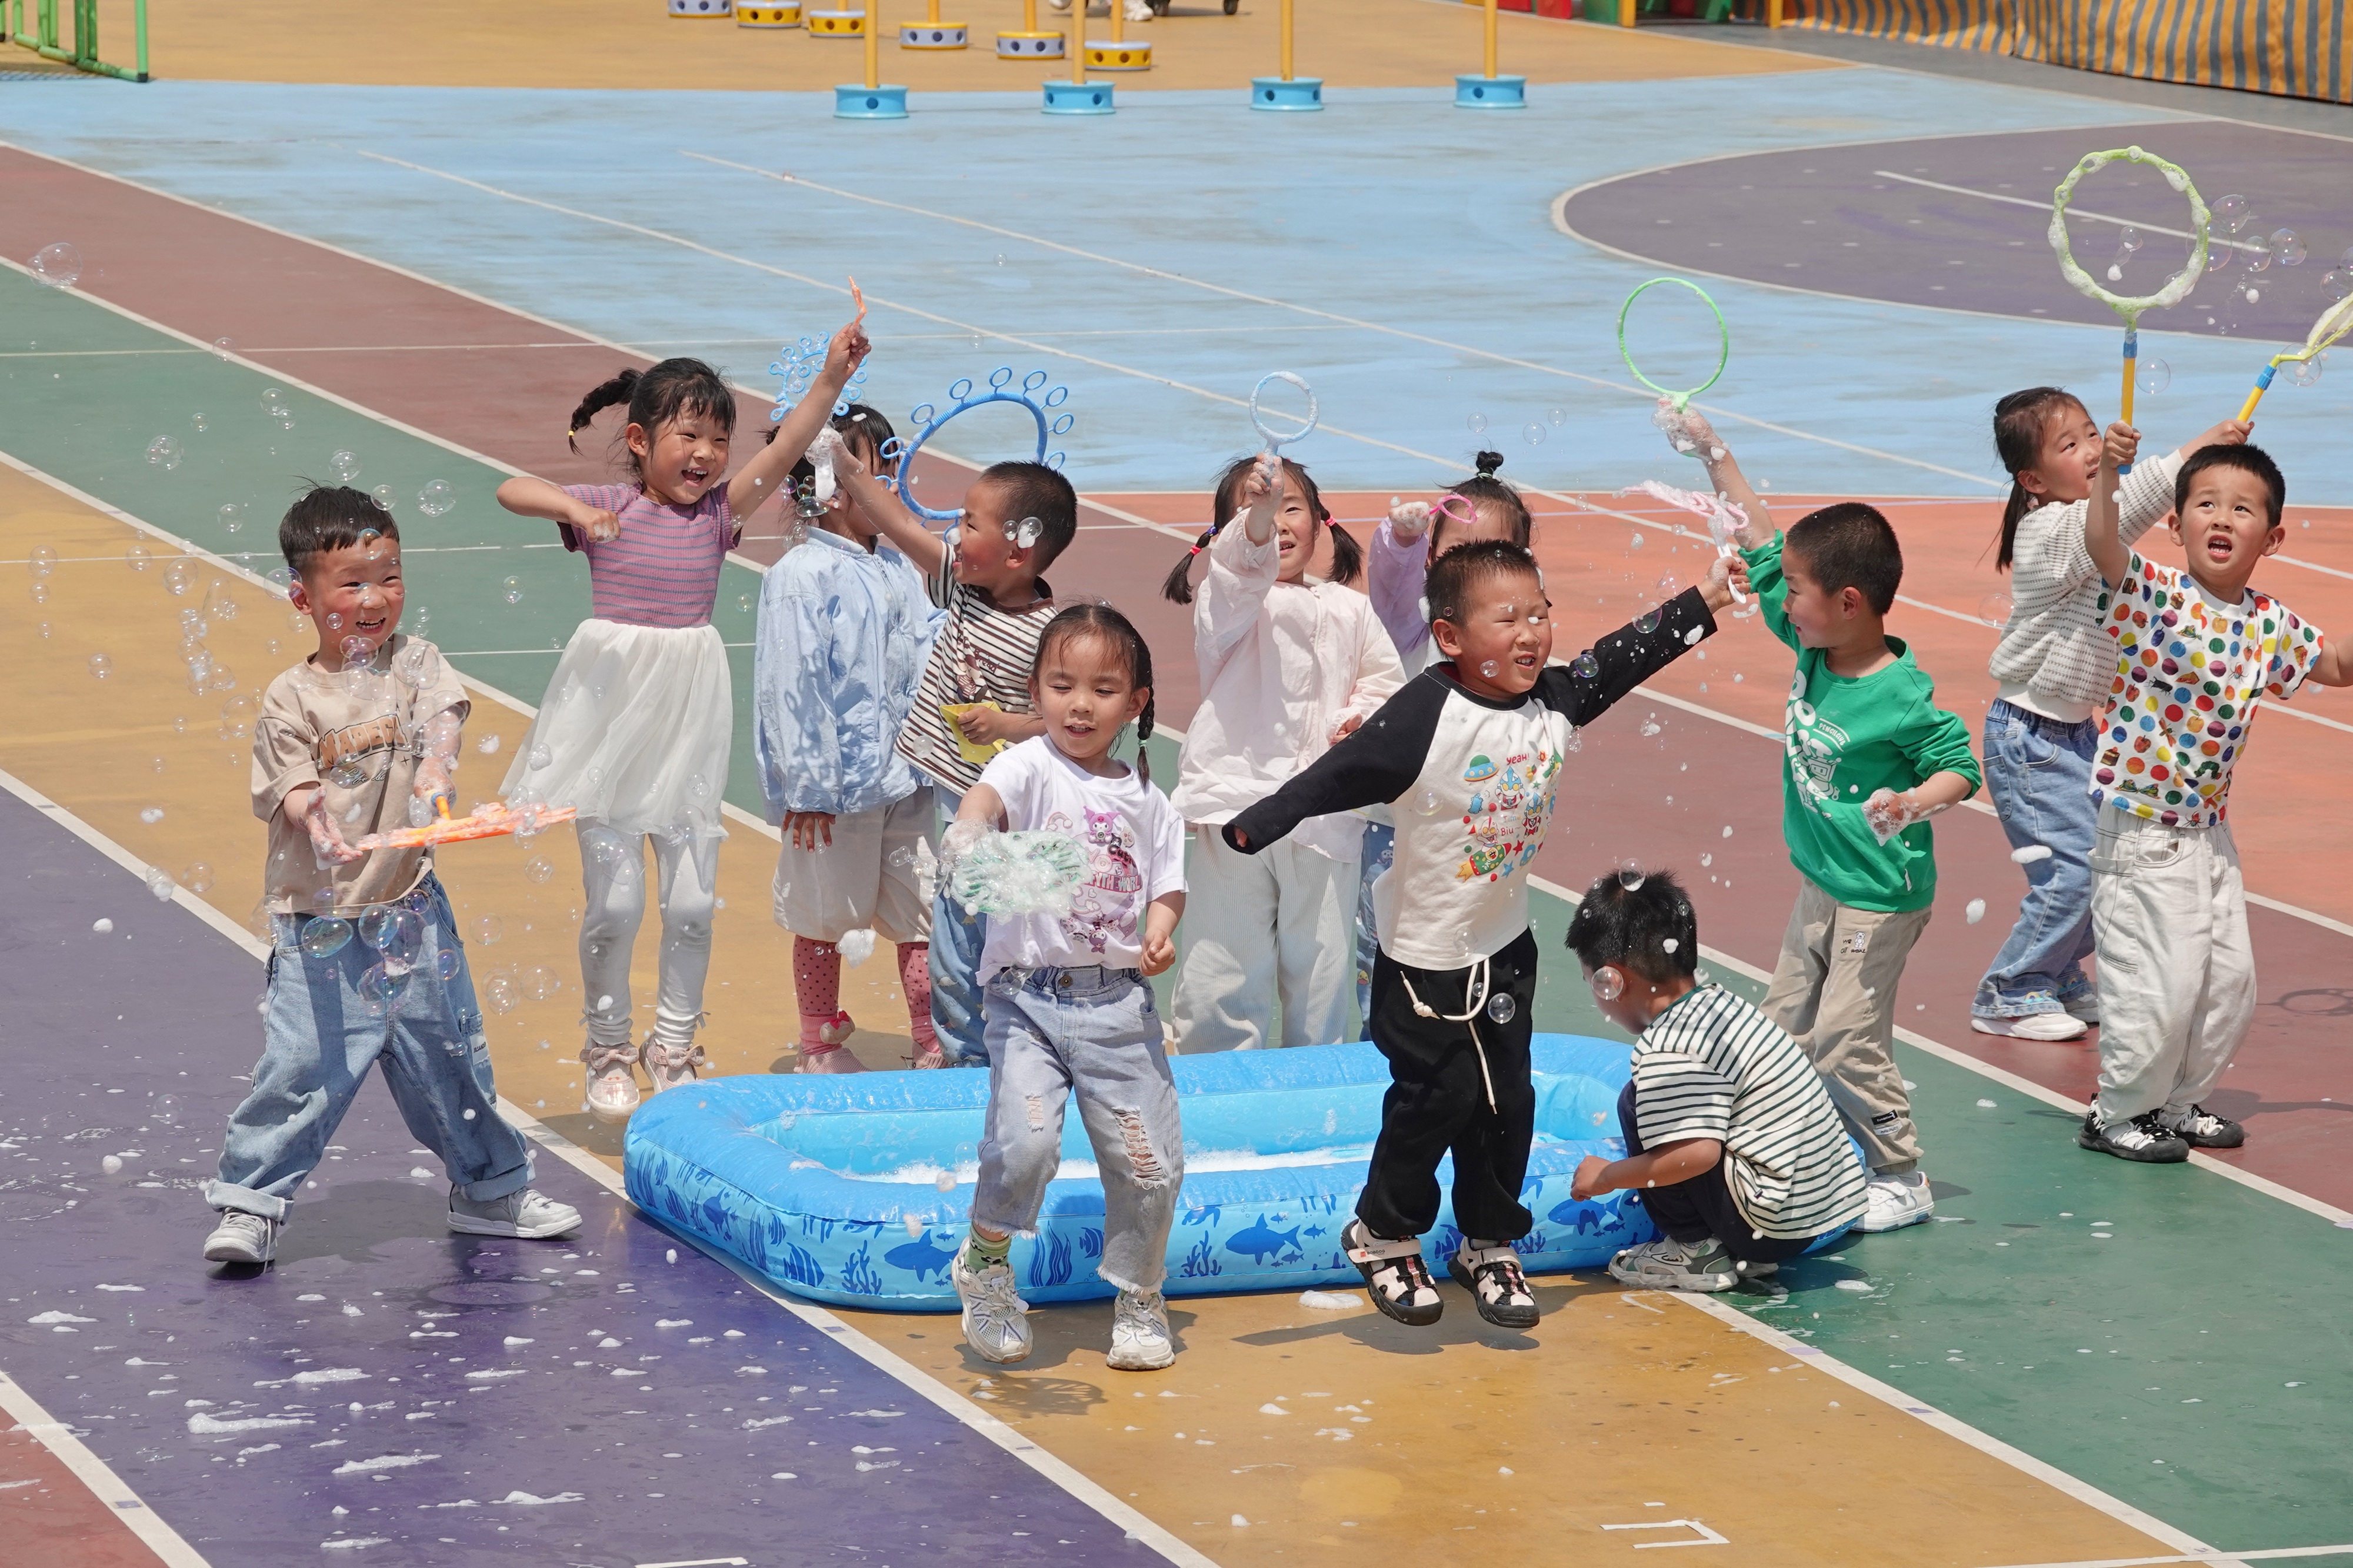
1505	816
1104	907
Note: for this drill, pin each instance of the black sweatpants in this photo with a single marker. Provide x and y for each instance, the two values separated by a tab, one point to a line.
1437	1098
1703	1206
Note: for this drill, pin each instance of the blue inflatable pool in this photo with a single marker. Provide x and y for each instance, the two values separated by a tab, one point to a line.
856	1190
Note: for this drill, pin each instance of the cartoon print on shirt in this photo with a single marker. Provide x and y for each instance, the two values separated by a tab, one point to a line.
1506	815
1104	907
1815	746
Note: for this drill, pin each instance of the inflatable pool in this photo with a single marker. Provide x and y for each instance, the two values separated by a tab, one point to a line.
856	1190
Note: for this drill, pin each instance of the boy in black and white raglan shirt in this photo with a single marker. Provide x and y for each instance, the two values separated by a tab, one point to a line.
1469	753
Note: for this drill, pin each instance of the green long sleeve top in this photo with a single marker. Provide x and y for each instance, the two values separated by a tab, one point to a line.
1845	739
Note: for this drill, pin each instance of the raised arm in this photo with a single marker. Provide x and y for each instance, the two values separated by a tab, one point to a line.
2108	549
1724	473
1592	682
1397	565
928	551
1377	762
765	474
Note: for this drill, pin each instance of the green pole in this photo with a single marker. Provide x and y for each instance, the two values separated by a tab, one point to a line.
139	11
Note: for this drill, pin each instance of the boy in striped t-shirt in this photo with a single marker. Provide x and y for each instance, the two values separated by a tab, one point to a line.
1730	1138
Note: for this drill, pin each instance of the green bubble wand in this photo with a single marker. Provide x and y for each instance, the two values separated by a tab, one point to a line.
1681	400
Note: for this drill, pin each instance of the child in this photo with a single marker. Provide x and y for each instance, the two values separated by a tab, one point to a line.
2054	667
1415	533
639	719
974	699
2197	653
1069	1010
1470	751
1731	1139
363	733
842	633
1871	758
1289	665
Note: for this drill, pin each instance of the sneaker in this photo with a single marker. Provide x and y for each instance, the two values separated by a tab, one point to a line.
2142	1139
1059	4
1670	1265
1140	1340
1498	1287
1139	11
612	1092
1890	1203
995	1318
1758	1270
2083	1002
2061	1025
668	1066
2201	1129
242	1237
527	1215
1395	1276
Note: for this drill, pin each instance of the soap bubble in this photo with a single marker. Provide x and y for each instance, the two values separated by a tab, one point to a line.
446	965
1607	983
150	814
1585	667
200	422
399	938
2338	282
223	348
160	884
541	756
2287	247
197	878
345	466
181	576
488	930
273	401
1648	620
1491	670
1478	423
1994	608
2219	256
57	265
539	983
43	561
436	498
164	452
499	995
511	590
2305	372
1975	911
137	557
232	517
2154	375
100	666
2260	258
236	718
112	1164
2231	213
325	936
347	773
1532	434
377	988
1556	416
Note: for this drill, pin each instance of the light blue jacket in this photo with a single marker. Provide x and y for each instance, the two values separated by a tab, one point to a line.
841	641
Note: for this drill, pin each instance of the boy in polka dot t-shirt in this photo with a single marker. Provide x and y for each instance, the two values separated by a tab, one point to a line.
2197	654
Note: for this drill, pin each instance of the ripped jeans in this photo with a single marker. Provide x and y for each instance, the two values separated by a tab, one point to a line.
1096	1032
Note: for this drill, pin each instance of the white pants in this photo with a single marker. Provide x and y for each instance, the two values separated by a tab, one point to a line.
870	877
2176	973
1278	924
613	881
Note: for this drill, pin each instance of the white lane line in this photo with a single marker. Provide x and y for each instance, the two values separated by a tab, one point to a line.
2044	207
912	1377
2263	1554
91	1470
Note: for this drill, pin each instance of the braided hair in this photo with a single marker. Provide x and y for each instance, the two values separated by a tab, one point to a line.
1347	556
1098	620
668	391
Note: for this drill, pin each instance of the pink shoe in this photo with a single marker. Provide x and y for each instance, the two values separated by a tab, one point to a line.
668	1066
834	1032
829	1058
928	1057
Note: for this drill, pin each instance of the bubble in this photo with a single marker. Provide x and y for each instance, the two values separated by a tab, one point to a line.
2230	212
1491	670
1630	875
2219	256
223	348
150	814
1556	416
2306	371
1994	608
1975	911
197	878
236	718
1478	423
345	465
2154	376
272	399
1428	803
231	516
1585	667
43	560
2337	282
499	995
164	452
112	1164
1502	1008
1634	541
1609	984
436	498
100	667
137	557
1648	620
57	265
1532	434
347	773
2254	295
488	930
181	576
200	423
2287	247
377	988
101	926
511	590
325	936
160	884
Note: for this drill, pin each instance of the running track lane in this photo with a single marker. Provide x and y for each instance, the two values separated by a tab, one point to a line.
380	1336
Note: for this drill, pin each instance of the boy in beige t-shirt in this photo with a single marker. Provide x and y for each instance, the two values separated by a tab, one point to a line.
365	961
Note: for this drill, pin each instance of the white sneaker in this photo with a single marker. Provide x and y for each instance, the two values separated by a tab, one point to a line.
242	1237
2033	1025
612	1091
1138	11
1059	4
1140	1340
1667	1264
1890	1203
526	1215
995	1318
667	1067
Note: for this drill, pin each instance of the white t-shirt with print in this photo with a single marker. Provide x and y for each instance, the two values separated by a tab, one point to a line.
1134	844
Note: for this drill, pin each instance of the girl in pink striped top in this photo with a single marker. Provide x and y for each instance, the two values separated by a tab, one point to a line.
635	726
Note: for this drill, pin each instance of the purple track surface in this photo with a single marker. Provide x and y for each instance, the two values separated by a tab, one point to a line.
390	1390
1830	220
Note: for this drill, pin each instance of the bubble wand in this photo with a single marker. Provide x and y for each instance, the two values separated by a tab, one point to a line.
2334	323
491	821
1682	400
1277	439
2128	307
1725	520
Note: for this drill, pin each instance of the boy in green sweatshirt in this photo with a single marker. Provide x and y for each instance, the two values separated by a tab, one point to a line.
1871	757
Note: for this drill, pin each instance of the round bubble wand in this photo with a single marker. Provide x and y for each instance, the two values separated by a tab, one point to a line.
1682	400
1277	435
2334	323
2128	307
963	400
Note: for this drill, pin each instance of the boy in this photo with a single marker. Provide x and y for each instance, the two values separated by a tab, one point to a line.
1731	1139
2197	653
1470	751
842	633
362	735
974	699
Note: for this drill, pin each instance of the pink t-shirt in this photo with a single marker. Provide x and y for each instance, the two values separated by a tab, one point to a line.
663	570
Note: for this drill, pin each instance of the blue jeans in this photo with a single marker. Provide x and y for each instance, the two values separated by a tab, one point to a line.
956	937
1380	853
1094	1032
2039	772
320	1037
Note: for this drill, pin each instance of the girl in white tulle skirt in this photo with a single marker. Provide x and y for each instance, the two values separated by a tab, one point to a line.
635	730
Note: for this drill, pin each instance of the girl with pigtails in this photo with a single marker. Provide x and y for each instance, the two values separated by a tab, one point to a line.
1290	663
635	731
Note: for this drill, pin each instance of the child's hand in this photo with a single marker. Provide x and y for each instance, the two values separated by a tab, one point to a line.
1259	483
1887	814
1346	728
1409	519
2230	433
808	830
1686	432
983	723
1701	434
1160	952
2119	448
595	524
431	783
326	838
1587	1183
1726	582
849	347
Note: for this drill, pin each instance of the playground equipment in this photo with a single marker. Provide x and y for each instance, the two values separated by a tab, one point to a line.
2129	308
83	56
1120	54
702	10
870	99
1286	92
931	33
751	14
1490	90
1029	43
834	23
1078	95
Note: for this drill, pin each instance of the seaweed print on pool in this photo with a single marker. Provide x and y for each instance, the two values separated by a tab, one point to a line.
1200	1261
930	1253
1049	1261
858	1275
1090	1243
1529	1244
1263	1243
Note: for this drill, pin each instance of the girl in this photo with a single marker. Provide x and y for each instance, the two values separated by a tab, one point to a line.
1416	533
635	726
1067	1006
1289	665
844	629
2054	665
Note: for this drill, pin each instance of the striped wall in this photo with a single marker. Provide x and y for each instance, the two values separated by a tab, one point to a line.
2297	48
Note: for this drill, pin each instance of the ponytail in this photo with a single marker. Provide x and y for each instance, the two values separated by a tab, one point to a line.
1177	588
1347	556
599	398
668	391
2019	422
1484	486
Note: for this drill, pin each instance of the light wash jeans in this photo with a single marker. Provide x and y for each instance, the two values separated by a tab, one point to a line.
1096	1032
320	1037
2040	773
956	937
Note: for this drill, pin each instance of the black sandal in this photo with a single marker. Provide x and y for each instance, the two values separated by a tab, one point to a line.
1498	1287
1395	1276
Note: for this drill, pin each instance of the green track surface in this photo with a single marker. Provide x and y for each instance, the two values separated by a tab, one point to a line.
2194	1365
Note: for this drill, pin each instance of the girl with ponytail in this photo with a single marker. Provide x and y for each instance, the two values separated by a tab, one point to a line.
635	731
1417	533
1289	664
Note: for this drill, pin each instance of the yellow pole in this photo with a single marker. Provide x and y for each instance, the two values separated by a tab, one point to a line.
1286	39
1491	40
1118	21
873	44
933	15
1028	16
1078	42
